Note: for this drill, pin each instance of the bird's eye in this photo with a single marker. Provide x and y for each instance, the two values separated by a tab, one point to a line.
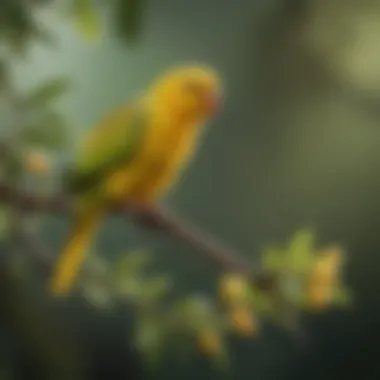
193	88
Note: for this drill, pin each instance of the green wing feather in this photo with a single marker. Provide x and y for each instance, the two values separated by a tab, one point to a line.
112	144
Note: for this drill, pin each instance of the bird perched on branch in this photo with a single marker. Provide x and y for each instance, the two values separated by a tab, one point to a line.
134	155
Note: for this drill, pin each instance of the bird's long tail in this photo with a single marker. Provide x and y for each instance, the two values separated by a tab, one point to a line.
74	253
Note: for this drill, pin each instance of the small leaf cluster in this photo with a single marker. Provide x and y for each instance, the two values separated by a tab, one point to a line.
19	26
203	322
34	132
310	278
46	127
127	16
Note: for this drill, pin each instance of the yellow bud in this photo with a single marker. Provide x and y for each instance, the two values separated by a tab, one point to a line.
318	296
323	278
327	266
37	163
244	321
209	342
332	262
233	289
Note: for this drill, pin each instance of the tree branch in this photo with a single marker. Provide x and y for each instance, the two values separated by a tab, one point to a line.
226	258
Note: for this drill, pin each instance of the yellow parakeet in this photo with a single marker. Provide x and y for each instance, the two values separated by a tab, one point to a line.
135	154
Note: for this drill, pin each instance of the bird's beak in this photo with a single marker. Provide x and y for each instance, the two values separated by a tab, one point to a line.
212	102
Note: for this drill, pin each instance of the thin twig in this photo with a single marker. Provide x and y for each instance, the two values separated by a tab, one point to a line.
227	258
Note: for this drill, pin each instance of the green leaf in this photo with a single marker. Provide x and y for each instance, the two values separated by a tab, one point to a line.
149	338
293	290
300	252
198	312
131	264
97	295
87	20
48	91
129	287
219	357
49	132
272	259
149	333
155	288
260	301
128	18
16	25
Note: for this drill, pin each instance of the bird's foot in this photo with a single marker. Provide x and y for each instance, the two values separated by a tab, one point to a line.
150	216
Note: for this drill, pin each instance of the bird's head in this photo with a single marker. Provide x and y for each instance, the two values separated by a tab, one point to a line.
192	92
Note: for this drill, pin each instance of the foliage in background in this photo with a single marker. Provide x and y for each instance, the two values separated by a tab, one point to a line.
19	22
308	279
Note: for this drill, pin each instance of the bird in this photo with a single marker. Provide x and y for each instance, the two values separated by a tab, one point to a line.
135	155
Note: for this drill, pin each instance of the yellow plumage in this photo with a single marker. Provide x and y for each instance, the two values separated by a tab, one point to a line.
175	108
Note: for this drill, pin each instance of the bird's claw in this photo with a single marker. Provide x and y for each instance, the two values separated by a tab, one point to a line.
150	217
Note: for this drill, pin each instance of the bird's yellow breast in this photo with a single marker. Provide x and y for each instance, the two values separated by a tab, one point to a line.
166	150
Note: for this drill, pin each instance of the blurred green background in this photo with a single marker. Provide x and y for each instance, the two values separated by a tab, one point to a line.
297	144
